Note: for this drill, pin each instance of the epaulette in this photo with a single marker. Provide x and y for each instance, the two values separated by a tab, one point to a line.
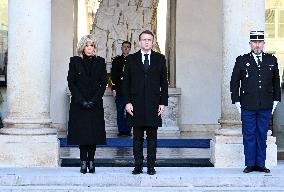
113	58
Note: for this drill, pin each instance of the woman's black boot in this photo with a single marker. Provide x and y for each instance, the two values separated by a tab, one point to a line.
92	167
83	167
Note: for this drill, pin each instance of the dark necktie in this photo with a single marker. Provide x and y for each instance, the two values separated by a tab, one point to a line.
146	62
258	60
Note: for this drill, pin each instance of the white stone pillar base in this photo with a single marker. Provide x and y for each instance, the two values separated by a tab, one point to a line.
227	150
29	151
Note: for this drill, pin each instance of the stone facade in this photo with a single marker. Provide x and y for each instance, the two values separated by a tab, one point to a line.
117	21
29	140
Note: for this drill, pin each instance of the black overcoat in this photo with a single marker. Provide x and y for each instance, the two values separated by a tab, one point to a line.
146	90
255	86
86	126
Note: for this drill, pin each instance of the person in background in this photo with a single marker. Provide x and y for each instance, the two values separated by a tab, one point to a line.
118	64
87	80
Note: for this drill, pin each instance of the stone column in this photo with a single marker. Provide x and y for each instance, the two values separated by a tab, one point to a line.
239	17
27	139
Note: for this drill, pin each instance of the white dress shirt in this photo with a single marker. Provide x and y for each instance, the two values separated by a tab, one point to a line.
143	57
255	57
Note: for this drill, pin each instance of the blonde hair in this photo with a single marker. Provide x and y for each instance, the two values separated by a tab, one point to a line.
83	42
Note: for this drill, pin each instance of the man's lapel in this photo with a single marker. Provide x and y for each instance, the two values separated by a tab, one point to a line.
252	60
264	59
153	60
138	56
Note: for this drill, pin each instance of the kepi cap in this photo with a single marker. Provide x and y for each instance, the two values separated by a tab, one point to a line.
256	35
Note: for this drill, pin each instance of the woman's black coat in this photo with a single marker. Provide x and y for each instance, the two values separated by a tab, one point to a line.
86	126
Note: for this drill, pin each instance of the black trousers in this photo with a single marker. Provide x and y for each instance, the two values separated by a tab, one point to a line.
87	152
138	138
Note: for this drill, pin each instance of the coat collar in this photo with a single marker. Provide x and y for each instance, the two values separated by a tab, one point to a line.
264	59
93	68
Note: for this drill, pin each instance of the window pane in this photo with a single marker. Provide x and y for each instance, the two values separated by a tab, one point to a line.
269	16
270	30
281	30
281	16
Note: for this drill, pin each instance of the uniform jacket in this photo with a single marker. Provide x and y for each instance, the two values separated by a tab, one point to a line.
255	86
146	90
86	126
117	67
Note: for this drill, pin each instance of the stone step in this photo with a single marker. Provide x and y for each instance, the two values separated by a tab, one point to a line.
123	157
112	178
127	152
129	162
135	189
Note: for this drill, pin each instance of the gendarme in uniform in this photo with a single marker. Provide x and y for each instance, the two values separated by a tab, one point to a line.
255	90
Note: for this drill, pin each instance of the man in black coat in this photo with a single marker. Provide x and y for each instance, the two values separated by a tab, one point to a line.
145	90
255	90
117	67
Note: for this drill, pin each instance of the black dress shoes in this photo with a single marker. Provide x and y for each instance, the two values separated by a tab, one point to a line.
151	171
92	167
248	169
262	169
83	167
137	171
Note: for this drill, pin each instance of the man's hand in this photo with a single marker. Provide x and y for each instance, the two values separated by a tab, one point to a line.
129	108
161	109
274	106
238	106
85	105
91	104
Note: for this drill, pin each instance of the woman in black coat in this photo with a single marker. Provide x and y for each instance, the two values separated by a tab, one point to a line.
87	80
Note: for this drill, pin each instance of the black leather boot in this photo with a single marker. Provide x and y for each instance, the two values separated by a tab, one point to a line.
138	166
151	171
137	170
83	167
150	165
92	167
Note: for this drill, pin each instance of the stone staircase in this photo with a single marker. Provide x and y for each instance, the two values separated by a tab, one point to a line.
120	179
123	156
